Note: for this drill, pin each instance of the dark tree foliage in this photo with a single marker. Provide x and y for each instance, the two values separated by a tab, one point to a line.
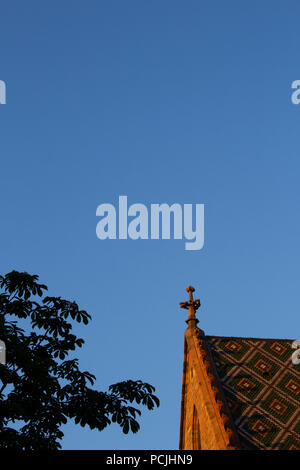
40	388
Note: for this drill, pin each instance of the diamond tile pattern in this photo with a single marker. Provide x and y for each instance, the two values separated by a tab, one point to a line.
262	389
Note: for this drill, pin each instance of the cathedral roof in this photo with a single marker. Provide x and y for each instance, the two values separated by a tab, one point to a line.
238	393
261	386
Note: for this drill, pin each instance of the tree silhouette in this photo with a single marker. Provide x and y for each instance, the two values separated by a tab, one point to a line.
40	387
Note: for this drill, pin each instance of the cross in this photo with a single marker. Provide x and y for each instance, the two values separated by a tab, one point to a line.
192	305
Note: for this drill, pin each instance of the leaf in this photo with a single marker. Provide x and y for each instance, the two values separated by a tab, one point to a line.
126	427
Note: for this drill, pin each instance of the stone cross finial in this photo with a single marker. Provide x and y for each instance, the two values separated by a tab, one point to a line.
192	305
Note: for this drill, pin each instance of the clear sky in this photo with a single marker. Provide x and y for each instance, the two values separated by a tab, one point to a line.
162	101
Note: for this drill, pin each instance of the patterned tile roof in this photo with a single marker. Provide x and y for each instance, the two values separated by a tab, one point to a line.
262	389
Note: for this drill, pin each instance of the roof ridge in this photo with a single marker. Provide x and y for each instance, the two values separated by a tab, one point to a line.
250	337
217	389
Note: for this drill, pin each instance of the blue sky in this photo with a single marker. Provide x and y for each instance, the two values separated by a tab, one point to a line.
173	101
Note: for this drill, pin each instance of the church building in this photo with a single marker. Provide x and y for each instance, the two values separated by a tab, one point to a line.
237	393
